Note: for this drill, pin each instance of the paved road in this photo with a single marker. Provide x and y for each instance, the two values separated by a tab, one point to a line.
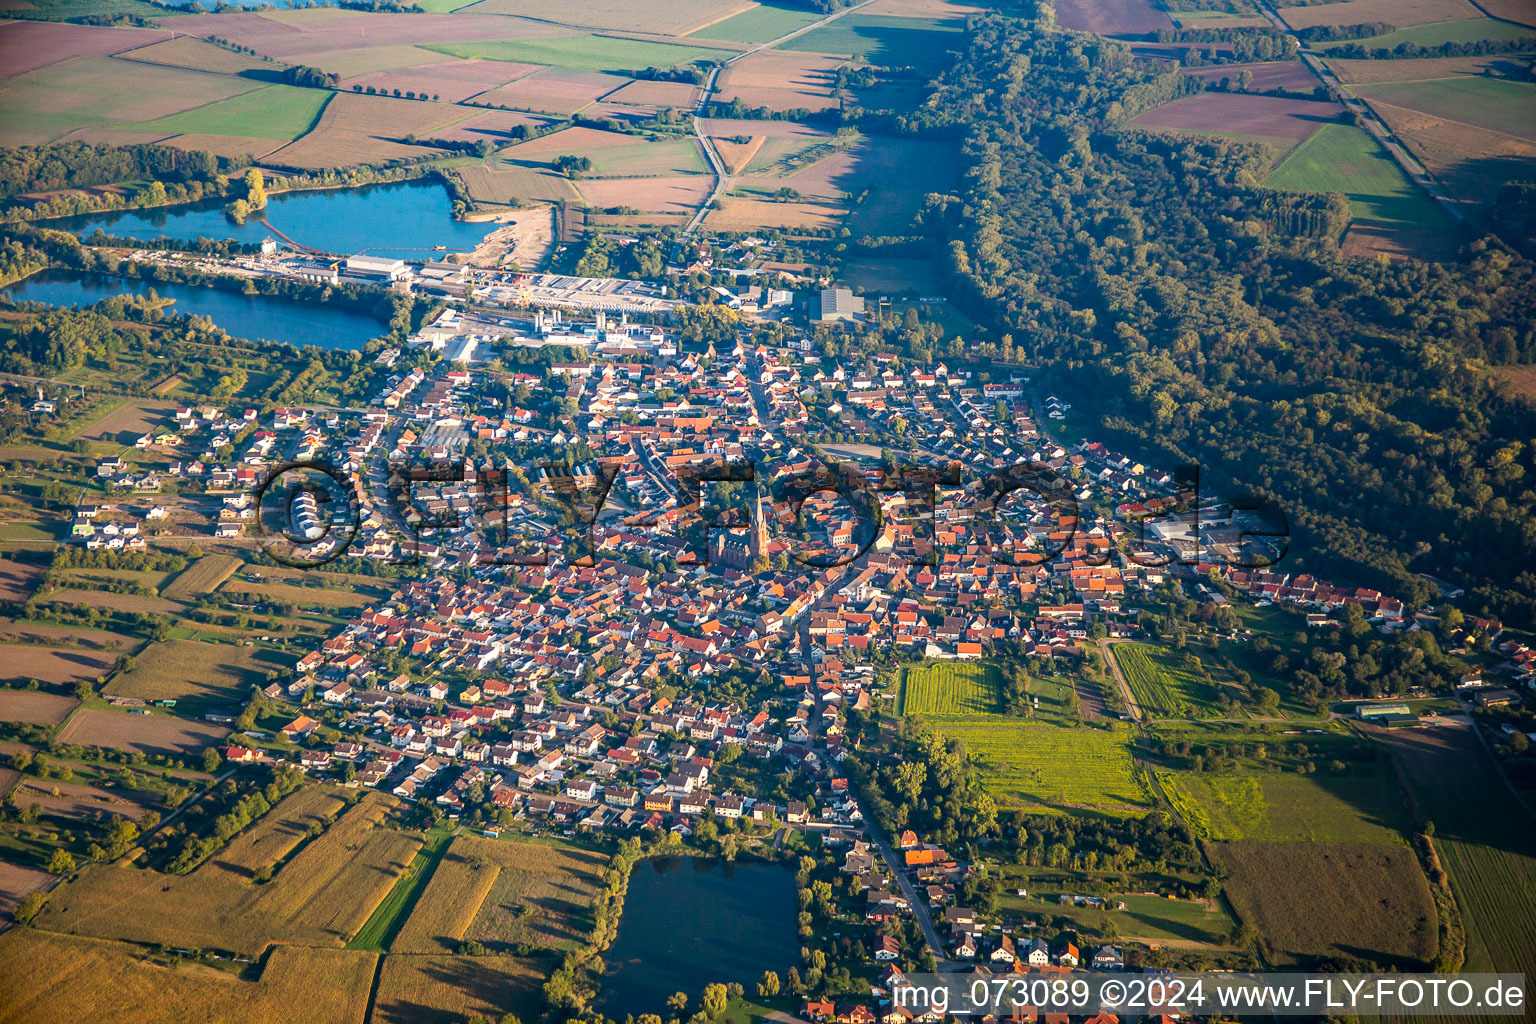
919	902
1416	171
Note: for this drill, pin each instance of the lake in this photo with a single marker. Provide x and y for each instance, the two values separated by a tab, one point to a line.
691	921
257	317
402	218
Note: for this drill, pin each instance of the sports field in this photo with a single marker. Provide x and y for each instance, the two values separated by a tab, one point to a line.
951	688
1343	158
1288	806
1043	767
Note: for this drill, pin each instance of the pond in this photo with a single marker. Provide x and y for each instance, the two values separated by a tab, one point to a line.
402	218
257	317
692	921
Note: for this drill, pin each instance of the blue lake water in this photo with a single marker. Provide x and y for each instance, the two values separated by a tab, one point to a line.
690	921
257	317
405	218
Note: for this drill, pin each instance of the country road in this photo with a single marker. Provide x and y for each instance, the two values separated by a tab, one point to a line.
716	164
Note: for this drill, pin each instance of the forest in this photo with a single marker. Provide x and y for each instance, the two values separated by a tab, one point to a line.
1217	321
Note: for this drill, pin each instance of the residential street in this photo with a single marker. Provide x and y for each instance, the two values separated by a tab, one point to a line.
919	903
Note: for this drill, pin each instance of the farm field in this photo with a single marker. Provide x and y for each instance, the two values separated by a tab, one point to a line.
1289	806
15	882
1490	103
202	577
443	989
59	979
780	81
1331	899
364	129
681	195
885	41
951	688
760	24
279	593
454	81
279	113
29	45
280	830
1472	163
1485	839
1386	210
1163	685
1391	12
81	802
1275	74
21	662
1282	123
512	186
554	91
1045	767
1469	30
196	673
36	707
320	896
191	52
18	579
1112	17
583	53
1366	72
676	17
128	422
146	734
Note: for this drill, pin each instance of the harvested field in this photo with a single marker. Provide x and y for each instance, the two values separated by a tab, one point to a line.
233	146
194	53
1392	12
443	989
1519	11
570	140
652	195
280	831
277	112
198	673
64	979
675	17
1280	122
127	423
15	883
321	896
36	707
107	601
12	631
1331	899
669	159
354	62
923	9
202	577
762	23
18	579
83	803
1363	807
358	43
554	91
737	214
1112	17
147	734
781	81
892	42
29	45
304	597
504	893
722	127
453	81
51	664
367	129
513	186
493	125
100	92
1472	163
1363	72
1470	31
737	155
1274	74
657	94
584	53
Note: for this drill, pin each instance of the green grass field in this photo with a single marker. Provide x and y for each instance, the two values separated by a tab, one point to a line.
196	673
760	24
1144	917
1435	33
951	688
891	42
653	160
1493	103
1364	807
1163	684
1044	767
279	112
582	53
1342	158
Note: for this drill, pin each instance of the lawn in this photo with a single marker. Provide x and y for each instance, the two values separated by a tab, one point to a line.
278	112
582	53
761	24
889	42
1363	807
951	688
1166	683
1342	158
1043	767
